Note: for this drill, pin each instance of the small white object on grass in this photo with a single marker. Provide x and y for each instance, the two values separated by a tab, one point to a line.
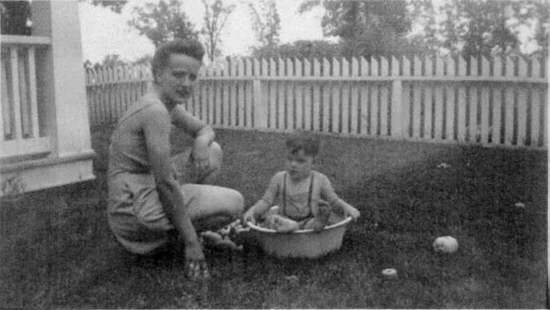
389	273
443	165
519	205
292	279
445	244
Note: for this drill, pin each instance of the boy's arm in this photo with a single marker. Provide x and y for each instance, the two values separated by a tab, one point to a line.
204	135
263	205
332	198
347	208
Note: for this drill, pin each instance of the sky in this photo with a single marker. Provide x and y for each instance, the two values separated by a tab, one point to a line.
105	32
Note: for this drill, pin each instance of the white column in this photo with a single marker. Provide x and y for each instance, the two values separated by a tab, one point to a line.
63	80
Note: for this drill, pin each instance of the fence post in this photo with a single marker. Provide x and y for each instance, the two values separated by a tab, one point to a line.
396	108
396	102
260	105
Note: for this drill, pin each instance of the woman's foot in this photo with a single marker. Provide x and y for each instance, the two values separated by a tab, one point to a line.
228	237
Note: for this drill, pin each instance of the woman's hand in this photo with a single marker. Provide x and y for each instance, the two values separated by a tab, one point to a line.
201	158
195	264
196	270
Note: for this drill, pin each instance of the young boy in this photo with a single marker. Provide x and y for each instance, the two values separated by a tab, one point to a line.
306	197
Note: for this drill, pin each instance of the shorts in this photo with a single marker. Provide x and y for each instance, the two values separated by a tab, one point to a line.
136	215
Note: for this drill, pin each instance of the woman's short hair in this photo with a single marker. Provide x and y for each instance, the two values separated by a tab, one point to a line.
191	48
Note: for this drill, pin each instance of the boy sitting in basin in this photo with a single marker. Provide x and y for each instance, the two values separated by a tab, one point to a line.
306	197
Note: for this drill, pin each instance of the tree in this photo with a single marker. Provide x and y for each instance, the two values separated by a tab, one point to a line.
483	27
365	28
110	60
143	60
215	16
163	22
266	22
300	49
114	5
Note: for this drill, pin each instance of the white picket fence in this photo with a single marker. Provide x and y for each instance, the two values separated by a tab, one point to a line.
111	90
500	101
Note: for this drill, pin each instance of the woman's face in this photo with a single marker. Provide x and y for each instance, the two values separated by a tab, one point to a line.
177	79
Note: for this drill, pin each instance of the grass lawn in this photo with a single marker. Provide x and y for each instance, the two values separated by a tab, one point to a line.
57	251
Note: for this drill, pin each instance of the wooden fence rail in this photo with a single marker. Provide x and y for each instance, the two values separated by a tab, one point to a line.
500	101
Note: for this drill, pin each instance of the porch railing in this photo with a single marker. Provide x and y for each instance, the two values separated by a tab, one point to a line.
22	125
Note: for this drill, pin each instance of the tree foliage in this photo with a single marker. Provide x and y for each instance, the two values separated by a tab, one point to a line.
108	61
300	49
162	21
266	22
215	17
365	27
114	5
466	27
481	27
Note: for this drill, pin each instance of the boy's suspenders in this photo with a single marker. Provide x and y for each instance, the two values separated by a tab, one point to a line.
310	191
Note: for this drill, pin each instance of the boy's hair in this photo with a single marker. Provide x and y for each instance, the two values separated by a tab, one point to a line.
303	140
191	48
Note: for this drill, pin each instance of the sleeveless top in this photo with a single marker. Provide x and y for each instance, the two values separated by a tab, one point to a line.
128	150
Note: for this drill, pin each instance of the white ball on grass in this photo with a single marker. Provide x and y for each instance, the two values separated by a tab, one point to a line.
445	244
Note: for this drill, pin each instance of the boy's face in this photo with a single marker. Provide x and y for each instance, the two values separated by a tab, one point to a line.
298	164
177	79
